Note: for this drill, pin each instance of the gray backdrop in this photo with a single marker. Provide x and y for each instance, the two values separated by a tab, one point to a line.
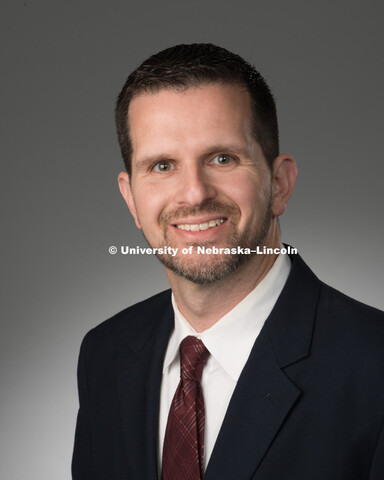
62	65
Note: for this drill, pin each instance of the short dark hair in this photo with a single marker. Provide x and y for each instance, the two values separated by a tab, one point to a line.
185	66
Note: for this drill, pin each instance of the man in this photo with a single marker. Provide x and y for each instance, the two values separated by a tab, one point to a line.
250	367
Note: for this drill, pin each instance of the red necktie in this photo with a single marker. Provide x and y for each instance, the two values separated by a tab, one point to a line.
184	436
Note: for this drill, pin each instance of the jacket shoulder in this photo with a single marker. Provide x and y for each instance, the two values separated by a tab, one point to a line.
134	322
357	326
346	307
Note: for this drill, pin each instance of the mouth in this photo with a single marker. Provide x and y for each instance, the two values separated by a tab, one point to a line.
197	227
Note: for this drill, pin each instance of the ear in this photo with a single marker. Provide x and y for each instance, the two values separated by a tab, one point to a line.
126	192
284	178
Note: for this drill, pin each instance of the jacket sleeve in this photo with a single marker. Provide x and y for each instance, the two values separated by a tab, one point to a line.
82	453
376	471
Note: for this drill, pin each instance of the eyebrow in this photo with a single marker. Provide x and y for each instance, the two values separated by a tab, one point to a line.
146	161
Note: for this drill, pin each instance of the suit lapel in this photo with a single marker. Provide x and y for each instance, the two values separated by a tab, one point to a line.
139	381
264	395
262	399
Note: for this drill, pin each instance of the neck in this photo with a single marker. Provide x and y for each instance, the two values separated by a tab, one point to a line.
204	305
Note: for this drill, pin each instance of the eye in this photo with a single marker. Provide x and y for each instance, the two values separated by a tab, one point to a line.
222	159
163	166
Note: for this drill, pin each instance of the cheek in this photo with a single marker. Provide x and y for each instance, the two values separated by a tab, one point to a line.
248	195
252	200
150	202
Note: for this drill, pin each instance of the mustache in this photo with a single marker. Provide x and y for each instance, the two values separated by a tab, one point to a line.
221	209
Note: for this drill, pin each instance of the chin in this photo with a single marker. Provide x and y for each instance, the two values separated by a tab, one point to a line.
204	271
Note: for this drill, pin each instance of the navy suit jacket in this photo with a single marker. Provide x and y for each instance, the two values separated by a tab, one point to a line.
309	404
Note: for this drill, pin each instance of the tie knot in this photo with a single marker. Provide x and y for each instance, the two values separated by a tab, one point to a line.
193	357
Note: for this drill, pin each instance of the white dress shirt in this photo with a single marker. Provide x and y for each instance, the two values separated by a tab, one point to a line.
229	342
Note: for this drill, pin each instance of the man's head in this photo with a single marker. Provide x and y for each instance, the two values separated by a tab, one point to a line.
185	66
196	156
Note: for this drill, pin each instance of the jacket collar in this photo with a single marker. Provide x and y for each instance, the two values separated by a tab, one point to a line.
290	324
139	373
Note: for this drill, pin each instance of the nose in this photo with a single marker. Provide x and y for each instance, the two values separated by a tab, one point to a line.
195	186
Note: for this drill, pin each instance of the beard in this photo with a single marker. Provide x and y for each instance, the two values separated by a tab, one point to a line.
206	269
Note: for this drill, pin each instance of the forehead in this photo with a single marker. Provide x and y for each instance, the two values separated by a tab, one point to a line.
191	118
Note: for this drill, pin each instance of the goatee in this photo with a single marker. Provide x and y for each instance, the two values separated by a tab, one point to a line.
206	269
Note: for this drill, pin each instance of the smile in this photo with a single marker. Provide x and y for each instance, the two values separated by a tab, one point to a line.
196	227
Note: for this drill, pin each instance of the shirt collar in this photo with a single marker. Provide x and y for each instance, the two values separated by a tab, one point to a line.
231	339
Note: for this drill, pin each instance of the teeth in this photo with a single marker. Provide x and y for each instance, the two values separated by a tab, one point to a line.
196	227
